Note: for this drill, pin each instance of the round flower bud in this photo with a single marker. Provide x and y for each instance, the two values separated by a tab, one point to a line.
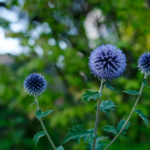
35	84
144	63
107	62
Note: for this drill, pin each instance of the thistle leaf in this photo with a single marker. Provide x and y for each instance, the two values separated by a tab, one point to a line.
90	95
100	143
60	148
110	129
37	136
107	106
139	112
120	125
77	132
39	114
113	89
46	113
144	82
131	92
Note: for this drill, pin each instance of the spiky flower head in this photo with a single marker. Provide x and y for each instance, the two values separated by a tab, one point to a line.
107	62
144	63
35	84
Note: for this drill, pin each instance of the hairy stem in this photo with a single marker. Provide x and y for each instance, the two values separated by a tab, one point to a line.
97	114
43	126
133	109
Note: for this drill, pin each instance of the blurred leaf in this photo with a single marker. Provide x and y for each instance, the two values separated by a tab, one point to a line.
37	136
46	113
77	132
90	95
110	129
131	92
120	125
145	83
112	88
107	106
60	148
39	114
99	143
139	112
119	91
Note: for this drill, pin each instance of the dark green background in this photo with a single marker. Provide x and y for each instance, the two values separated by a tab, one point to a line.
127	25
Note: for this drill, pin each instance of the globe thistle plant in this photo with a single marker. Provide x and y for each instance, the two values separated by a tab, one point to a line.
144	66
144	63
107	62
35	84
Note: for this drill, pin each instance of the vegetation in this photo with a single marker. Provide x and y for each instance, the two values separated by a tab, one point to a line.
56	40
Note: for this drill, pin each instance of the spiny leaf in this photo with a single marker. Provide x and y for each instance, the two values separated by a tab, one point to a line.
77	132
119	91
131	92
112	88
39	114
60	148
110	129
120	125
90	95
107	106
139	112
145	83
46	113
100	143
37	136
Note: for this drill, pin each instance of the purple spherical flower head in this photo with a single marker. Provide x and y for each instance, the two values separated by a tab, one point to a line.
144	63
107	62
35	84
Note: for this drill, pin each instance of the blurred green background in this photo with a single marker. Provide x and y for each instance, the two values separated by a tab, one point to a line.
55	38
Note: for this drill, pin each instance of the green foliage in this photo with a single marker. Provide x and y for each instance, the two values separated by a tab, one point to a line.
139	112
107	84
107	106
39	114
145	83
125	24
100	143
60	148
90	95
120	125
110	129
37	136
77	133
131	92
114	130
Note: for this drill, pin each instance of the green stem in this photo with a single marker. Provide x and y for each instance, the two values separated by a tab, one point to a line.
133	109
97	115
43	126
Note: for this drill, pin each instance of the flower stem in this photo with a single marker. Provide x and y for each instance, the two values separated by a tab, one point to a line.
133	109
97	114
43	126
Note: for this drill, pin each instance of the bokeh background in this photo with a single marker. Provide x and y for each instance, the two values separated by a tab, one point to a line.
55	38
